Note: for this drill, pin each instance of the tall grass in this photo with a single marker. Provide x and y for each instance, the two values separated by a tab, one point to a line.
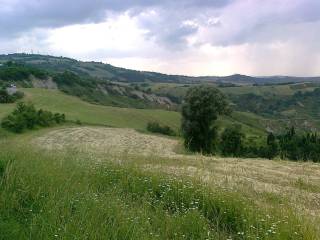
70	197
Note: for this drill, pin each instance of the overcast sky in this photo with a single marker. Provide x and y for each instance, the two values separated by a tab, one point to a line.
192	37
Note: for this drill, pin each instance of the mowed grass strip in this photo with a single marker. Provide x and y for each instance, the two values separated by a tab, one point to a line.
70	197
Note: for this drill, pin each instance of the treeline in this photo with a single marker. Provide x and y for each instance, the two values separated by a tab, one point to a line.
26	116
289	145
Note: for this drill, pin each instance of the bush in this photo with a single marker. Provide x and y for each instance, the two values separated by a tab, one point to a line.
5	97
155	127
25	116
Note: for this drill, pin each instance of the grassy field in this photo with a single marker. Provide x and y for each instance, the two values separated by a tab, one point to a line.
76	109
89	183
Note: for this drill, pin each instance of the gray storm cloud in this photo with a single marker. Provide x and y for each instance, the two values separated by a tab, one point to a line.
19	15
283	29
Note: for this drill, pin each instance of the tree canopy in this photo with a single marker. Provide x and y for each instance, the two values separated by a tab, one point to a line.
201	108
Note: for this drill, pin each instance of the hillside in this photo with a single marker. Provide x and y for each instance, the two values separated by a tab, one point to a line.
112	73
90	89
259	108
76	109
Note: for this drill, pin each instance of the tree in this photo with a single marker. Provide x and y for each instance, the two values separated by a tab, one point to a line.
201	108
272	146
232	141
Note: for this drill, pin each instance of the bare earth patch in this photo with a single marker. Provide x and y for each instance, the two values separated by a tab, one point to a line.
294	182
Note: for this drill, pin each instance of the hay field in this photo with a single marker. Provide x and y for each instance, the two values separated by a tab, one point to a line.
277	183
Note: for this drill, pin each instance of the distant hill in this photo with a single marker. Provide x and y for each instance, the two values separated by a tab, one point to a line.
116	74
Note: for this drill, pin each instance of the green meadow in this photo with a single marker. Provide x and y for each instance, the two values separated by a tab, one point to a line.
76	109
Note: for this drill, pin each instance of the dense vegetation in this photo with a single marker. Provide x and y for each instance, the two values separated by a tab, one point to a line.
11	71
289	145
25	116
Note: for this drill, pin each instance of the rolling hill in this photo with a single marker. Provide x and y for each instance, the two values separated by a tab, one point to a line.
112	73
93	114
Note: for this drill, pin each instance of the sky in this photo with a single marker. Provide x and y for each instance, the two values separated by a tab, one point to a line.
189	37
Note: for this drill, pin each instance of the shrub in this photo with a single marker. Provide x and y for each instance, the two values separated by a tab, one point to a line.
155	127
25	116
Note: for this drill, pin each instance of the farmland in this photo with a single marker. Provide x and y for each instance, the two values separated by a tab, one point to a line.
71	181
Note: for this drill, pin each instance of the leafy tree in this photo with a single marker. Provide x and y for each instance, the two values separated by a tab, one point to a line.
201	108
232	140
